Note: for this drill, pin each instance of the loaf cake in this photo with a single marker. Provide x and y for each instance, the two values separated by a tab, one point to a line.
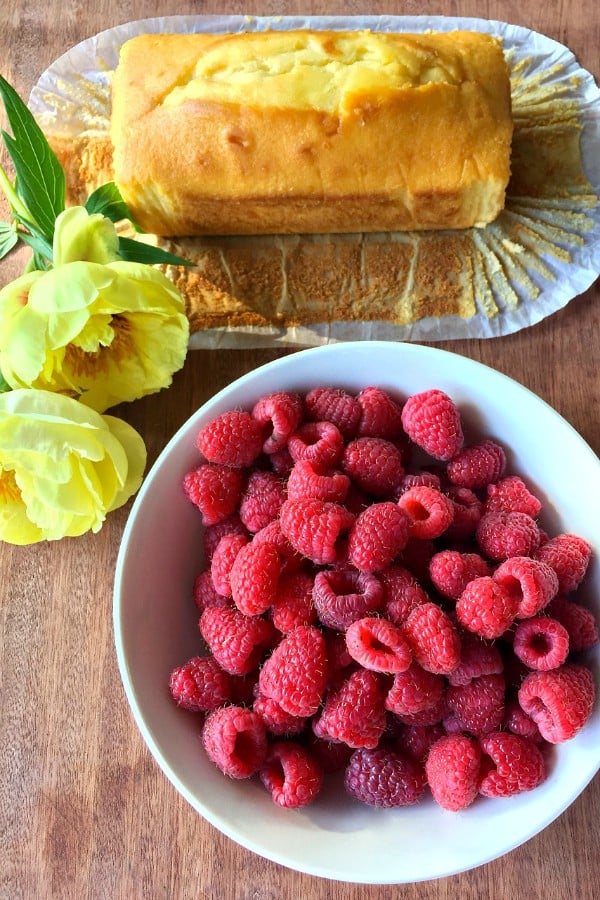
311	132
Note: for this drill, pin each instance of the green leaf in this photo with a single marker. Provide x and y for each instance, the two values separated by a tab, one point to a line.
108	201
136	251
40	178
41	249
4	385
8	239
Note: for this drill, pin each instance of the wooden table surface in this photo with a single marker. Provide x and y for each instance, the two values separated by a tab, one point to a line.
85	811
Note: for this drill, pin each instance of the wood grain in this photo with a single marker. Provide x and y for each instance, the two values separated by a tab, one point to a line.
84	810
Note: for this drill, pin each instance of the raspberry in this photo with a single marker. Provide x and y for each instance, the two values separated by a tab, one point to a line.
414	691
281	413
200	685
276	720
533	583
418	479
215	490
452	770
291	560
478	465
479	705
477	657
379	533
417	740
432	420
281	462
341	596
374	465
430	511
511	494
254	577
518	765
401	593
578	621
518	722
569	556
261	500
486	607
502	535
380	416
378	645
384	778
333	756
334	405
232	439
295	674
213	533
541	643
293	603
316	529
223	558
306	482
433	715
467	513
451	571
204	592
291	774
559	701
354	713
433	639
235	739
237	642
319	442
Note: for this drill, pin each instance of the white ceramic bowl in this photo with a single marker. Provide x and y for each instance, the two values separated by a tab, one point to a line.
156	628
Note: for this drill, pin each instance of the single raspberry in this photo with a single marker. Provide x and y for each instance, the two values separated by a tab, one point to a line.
223	558
215	490
430	512
431	419
418	479
518	722
502	535
532	582
212	534
541	643
232	439
579	622
452	770
559	701
414	691
316	529
235	739
381	415
433	638
237	642
200	685
374	465
467	513
261	500
281	462
569	556
333	756
511	494
433	715
478	465
295	675
486	608
305	481
334	405
377	536
354	713
319	442
516	765
401	593
416	557
204	593
293	604
291	774
417	740
280	414
384	778
341	596
276	720
378	645
254	577
478	705
477	657
451	571
291	560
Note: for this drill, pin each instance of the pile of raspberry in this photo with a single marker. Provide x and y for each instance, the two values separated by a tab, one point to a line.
379	598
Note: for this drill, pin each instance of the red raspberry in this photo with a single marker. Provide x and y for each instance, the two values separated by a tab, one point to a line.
417	740
235	739
579	622
281	462
280	413
432	420
254	577
478	465
433	639
479	705
541	643
293	604
333	756
291	560
306	482
261	500
477	657
232	439
502	535
319	442
518	722
511	494
486	608
384	778
379	533
433	715
378	645
204	592
418	479
518	765
276	720
430	511
467	513
316	529
200	685
451	571
334	405
237	642
533	583
401	593
215	490
374	465
223	558
354	713
291	774
569	556
559	701
213	533
414	691
341	596
452	770
381	416
295	675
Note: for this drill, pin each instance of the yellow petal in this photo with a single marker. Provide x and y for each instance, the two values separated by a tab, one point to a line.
81	236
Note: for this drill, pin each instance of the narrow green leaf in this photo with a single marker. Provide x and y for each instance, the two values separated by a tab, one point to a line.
4	385
8	239
108	201
136	251
40	247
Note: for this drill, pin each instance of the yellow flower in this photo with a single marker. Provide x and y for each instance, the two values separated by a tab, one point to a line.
84	237
63	466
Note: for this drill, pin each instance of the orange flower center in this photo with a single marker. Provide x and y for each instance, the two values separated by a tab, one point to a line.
88	365
9	489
